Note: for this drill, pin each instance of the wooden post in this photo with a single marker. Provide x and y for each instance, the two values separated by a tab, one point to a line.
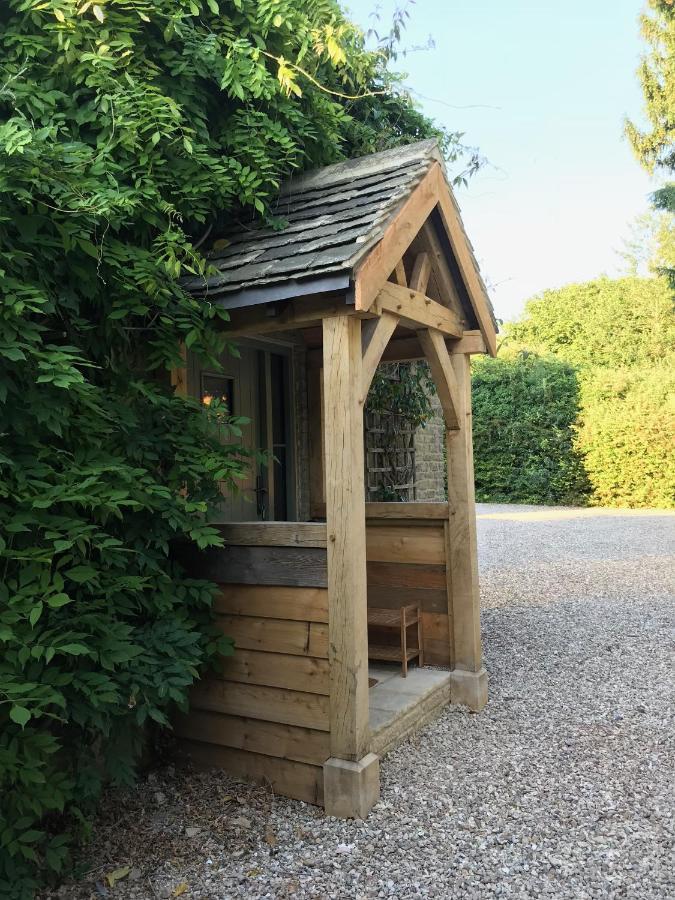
469	684
317	496
351	775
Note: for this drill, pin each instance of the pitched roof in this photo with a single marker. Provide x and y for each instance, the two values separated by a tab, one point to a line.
332	218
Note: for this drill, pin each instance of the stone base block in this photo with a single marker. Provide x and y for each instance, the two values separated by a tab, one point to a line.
351	789
469	688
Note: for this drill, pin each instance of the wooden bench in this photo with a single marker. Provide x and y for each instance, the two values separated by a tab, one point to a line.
401	619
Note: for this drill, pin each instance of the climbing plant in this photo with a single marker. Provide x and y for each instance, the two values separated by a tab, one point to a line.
129	131
399	402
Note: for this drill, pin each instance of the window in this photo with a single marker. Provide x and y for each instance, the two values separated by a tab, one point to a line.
217	387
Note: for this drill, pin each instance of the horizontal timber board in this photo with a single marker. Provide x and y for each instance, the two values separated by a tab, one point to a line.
299	781
257	702
405	543
255	736
414	575
428	600
274	534
276	635
407	511
282	670
296	566
303	604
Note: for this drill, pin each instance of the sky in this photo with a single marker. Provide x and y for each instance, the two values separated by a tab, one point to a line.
542	89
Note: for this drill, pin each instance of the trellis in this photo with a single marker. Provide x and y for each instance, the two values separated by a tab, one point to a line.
390	457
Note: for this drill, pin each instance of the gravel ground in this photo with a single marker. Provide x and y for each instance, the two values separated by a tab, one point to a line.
563	787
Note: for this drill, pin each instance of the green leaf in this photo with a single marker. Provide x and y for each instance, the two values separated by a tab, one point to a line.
20	715
58	600
81	574
74	649
35	613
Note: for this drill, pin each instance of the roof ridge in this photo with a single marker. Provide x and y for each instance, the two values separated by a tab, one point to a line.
426	151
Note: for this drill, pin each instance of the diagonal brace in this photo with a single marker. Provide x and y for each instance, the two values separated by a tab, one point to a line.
443	374
375	335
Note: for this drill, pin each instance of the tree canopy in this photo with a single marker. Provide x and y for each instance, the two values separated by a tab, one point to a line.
654	146
129	131
617	340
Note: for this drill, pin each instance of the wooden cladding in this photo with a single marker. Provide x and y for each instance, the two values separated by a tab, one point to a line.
266	714
292	566
407	563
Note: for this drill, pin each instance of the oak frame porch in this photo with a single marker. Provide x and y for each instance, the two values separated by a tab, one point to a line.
386	313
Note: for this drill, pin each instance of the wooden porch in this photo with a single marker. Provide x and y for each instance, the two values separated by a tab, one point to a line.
375	265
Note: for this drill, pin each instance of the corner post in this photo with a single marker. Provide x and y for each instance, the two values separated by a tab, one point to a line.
351	775
469	678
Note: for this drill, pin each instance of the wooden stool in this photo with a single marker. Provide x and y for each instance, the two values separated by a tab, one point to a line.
402	619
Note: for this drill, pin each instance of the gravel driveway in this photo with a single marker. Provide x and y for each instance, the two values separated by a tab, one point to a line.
563	787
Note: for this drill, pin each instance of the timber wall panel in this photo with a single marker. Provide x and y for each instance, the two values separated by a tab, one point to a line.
406	561
303	604
276	635
295	673
268	738
265	714
285	776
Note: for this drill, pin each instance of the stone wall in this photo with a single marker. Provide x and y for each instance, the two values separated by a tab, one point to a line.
429	457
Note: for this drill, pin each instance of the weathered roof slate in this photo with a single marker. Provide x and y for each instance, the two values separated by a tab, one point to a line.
333	216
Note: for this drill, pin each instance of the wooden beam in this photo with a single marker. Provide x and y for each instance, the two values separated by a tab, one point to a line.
301	313
470	342
441	270
273	534
443	374
464	256
375	335
461	532
416	309
399	274
421	272
399	235
402	349
346	532
317	492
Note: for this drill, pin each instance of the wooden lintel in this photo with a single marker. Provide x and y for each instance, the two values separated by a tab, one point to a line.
375	335
443	374
417	310
421	272
301	313
408	349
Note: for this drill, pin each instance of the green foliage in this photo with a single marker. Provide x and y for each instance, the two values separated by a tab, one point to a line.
626	435
620	337
400	397
402	389
655	147
664	204
524	412
129	130
599	323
